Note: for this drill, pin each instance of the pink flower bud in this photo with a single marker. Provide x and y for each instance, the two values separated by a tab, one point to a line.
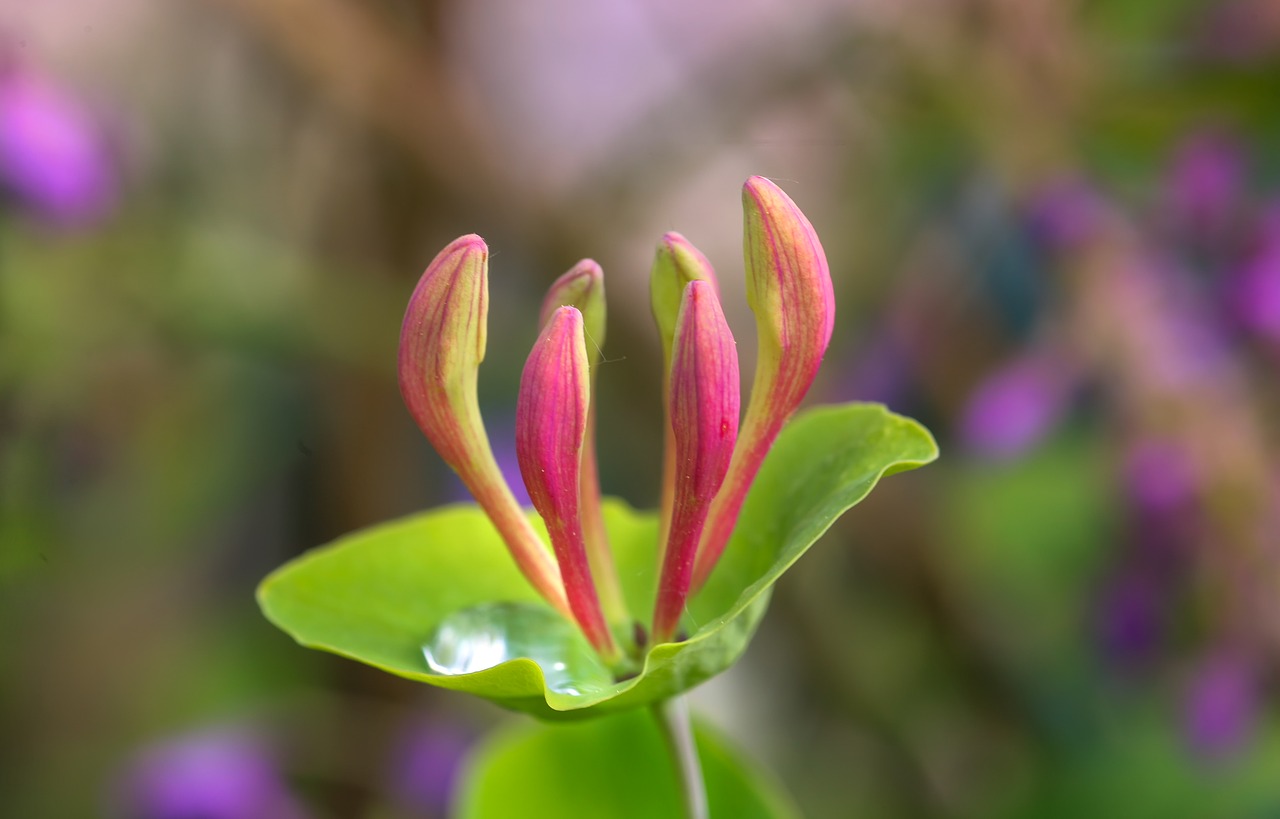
583	287
442	343
676	264
551	421
789	290
704	418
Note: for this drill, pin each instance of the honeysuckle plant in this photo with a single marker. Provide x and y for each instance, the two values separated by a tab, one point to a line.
583	606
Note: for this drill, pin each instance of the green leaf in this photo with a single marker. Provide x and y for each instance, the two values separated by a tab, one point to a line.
444	578
616	767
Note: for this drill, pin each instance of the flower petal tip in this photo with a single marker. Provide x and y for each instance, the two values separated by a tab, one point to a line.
575	287
676	263
581	287
685	261
470	240
788	278
442	342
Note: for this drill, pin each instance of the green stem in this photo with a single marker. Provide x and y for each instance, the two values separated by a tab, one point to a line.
677	730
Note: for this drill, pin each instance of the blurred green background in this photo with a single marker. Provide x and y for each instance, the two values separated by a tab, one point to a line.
1054	229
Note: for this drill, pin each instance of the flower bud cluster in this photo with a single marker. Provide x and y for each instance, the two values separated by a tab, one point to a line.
712	451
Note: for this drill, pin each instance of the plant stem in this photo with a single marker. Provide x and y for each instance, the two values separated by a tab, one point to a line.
673	718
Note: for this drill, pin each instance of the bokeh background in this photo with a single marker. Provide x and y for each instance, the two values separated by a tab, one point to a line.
1054	228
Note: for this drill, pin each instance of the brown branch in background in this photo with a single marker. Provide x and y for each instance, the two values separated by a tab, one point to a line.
676	134
379	78
357	59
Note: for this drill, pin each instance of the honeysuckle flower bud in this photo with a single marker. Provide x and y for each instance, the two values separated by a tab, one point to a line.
789	290
676	264
442	343
704	406
442	612
583	287
551	422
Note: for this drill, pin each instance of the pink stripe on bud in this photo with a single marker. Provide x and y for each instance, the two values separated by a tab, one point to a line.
551	421
789	290
704	418
442	343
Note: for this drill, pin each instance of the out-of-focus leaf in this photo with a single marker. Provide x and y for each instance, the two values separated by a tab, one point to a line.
615	767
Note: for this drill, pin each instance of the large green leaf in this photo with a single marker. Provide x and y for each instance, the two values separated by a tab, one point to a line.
616	767
444	578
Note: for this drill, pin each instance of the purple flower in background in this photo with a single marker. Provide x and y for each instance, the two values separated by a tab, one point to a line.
1129	618
1015	407
1221	705
1159	476
54	159
427	765
1184	345
1162	486
1065	213
220	775
503	442
1237	32
1255	296
1205	183
1160	482
881	372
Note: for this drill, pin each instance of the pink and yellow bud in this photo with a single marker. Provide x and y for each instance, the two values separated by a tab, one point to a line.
789	291
551	422
676	264
704	406
710	462
442	343
583	287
